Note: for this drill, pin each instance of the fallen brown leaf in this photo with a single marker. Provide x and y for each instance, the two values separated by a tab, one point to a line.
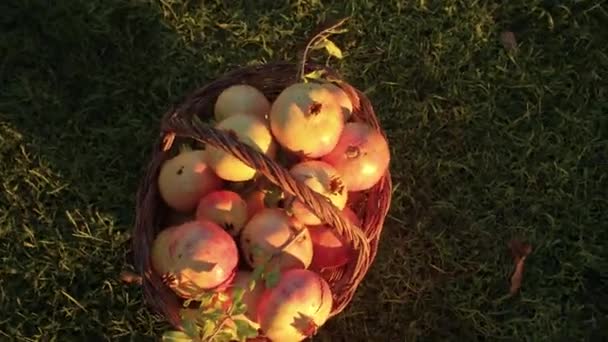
130	277
519	252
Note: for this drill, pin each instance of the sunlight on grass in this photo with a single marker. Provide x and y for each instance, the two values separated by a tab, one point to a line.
60	263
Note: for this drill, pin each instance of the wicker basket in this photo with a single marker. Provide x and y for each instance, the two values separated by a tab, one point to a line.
371	207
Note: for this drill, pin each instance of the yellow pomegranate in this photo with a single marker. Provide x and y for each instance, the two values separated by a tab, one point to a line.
296	307
241	99
199	255
268	233
249	130
185	178
323	179
306	119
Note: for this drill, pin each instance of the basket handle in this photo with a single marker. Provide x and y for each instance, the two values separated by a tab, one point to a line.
178	125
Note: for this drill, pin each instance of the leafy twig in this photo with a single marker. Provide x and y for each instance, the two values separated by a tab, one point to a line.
218	329
321	36
213	321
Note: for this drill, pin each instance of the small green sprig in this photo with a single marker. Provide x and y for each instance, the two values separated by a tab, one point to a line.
212	321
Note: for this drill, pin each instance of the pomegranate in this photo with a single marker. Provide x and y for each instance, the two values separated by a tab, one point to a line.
241	99
296	307
342	99
267	233
306	119
185	178
362	156
323	179
249	130
330	249
225	208
199	255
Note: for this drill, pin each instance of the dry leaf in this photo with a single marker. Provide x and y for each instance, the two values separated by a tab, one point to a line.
315	74
333	49
130	278
168	141
519	252
517	277
508	40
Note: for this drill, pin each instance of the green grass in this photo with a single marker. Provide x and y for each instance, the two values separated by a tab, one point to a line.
487	146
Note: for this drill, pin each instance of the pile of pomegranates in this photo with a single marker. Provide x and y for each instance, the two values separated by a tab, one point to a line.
234	237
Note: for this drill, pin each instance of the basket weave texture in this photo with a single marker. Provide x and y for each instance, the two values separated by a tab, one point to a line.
370	206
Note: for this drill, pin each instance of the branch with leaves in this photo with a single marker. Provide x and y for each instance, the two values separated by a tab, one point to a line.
320	40
218	318
212	321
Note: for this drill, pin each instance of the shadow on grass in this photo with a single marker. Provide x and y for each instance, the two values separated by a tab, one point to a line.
83	84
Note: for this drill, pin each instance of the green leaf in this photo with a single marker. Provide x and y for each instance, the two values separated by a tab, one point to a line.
272	278
257	250
224	336
175	336
187	303
222	297
213	314
315	74
237	294
206	299
185	313
335	80
239	308
258	272
273	197
244	329
251	285
262	257
190	327
338	31
208	328
319	44
333	49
